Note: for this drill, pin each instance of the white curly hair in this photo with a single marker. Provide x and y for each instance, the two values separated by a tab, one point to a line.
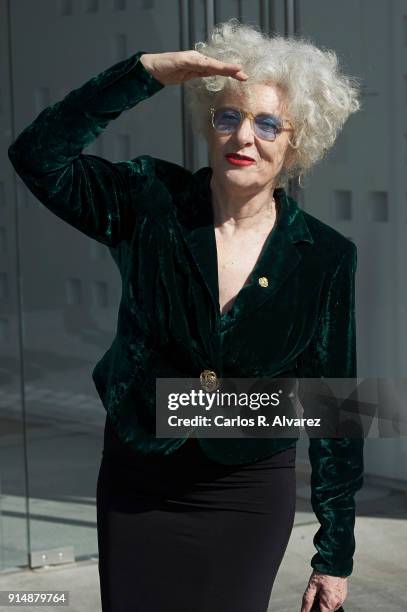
318	97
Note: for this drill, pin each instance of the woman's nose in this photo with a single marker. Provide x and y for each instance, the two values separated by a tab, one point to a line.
245	130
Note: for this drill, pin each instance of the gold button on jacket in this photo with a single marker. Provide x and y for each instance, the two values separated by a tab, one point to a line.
209	380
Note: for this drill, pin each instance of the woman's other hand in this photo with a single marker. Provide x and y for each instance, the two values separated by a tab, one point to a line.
176	67
331	590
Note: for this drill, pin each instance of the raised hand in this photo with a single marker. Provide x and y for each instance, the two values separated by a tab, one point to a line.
171	68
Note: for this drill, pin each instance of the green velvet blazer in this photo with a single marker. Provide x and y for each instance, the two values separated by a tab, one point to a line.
155	217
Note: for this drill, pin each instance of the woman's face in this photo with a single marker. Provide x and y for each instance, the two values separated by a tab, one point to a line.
268	156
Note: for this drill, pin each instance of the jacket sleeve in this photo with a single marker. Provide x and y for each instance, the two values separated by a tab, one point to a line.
94	195
337	463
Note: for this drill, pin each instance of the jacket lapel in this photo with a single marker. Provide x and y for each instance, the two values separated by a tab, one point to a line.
278	259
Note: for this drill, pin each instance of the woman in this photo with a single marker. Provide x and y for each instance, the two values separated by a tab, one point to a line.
223	276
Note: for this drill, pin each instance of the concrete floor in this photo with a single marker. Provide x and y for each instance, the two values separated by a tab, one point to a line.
379	580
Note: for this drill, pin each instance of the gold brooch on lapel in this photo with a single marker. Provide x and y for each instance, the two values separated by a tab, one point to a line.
263	281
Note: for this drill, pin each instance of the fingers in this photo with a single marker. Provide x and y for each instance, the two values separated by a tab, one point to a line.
209	66
216	67
241	75
308	598
306	605
326	606
324	602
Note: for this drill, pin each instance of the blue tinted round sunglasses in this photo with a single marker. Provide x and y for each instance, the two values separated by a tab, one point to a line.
227	119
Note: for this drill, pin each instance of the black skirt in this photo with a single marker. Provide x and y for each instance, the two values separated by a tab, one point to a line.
182	532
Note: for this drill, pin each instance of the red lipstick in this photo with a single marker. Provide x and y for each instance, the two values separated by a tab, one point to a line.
239	160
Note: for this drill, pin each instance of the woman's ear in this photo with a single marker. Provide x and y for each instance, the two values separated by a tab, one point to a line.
290	157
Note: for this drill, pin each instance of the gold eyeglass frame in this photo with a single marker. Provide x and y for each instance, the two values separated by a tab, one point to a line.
243	115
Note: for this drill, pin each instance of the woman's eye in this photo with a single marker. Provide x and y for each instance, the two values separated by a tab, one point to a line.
227	121
229	117
268	126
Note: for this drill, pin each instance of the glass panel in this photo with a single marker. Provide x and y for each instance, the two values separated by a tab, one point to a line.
13	511
368	161
71	284
13	480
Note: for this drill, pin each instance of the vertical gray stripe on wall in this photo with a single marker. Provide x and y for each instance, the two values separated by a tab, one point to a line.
291	24
209	23
185	44
297	16
264	9
271	16
209	15
289	17
239	10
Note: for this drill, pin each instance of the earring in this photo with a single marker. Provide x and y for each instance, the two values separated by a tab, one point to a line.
299	179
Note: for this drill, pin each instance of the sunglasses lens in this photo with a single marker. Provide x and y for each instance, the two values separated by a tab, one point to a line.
226	119
267	126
